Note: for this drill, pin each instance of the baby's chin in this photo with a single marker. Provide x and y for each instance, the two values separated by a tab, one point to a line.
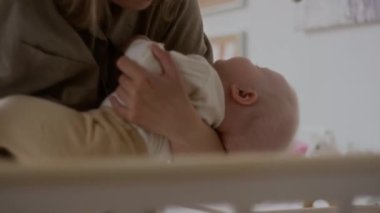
218	65
220	62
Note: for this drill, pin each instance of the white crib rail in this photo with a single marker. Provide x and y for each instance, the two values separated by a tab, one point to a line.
144	185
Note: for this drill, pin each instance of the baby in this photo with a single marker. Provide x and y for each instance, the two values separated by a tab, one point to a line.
252	109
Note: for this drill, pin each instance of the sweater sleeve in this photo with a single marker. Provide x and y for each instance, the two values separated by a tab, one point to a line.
175	23
185	33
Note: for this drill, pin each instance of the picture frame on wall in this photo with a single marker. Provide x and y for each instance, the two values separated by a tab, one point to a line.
215	6
323	14
227	46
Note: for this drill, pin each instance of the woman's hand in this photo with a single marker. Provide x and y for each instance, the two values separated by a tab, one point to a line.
154	102
160	104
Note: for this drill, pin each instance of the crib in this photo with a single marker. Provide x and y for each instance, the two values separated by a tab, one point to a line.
199	182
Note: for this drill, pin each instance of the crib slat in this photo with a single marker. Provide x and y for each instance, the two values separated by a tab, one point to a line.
345	206
141	185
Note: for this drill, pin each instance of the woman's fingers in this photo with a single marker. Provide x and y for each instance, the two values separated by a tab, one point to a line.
131	68
119	108
123	96
125	91
126	83
167	64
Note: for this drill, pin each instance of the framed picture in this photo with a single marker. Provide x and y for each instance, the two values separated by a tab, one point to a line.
228	46
319	14
215	6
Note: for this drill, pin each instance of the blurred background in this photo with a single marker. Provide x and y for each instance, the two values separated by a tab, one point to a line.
329	50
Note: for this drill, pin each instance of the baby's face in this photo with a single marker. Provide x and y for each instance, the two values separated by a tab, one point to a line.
234	69
240	70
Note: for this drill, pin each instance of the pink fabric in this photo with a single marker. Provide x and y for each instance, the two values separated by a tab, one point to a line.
300	148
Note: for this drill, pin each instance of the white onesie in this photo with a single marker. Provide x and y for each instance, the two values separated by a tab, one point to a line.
202	83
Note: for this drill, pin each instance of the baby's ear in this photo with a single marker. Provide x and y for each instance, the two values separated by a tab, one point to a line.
244	96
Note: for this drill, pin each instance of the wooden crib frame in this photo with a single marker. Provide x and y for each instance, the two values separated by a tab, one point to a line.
142	186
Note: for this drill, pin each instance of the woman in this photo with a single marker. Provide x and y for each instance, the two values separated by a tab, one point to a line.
65	50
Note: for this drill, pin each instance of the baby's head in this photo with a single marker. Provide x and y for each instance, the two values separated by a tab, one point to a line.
261	107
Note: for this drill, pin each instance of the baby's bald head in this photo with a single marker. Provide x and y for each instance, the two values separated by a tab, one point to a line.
274	119
261	107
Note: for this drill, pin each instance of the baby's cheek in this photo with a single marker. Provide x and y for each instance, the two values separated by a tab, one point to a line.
229	147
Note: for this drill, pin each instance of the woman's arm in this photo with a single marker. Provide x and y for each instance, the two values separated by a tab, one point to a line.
159	103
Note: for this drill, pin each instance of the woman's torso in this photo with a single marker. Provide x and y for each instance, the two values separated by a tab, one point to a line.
42	54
